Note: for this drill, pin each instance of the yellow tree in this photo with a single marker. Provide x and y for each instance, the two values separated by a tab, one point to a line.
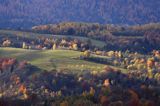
24	45
150	65
54	46
74	46
86	54
92	91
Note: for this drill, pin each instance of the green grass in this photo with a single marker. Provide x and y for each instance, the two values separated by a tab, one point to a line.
51	59
97	43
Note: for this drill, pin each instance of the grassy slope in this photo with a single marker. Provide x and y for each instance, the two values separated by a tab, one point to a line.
49	59
97	43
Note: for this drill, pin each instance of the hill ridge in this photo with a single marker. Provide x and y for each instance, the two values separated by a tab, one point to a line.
22	13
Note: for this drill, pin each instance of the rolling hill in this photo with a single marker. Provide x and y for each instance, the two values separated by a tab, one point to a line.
48	60
51	60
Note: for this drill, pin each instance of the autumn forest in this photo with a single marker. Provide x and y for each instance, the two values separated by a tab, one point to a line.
79	53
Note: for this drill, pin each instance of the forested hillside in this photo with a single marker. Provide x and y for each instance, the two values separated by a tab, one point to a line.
142	38
26	13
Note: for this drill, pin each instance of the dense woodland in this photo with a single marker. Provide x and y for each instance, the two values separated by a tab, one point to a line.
142	38
108	87
26	13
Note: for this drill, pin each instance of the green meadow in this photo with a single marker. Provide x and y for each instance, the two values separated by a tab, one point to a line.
51	59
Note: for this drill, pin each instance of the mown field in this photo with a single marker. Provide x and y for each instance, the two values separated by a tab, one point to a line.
49	59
